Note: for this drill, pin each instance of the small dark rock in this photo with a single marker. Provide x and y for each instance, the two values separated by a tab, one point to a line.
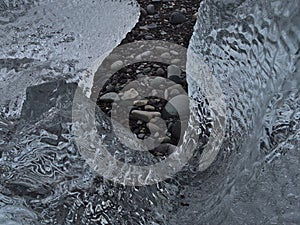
148	37
152	26
176	130
150	9
160	72
176	79
49	141
177	18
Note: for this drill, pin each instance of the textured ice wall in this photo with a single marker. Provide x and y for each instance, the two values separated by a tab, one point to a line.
45	40
252	49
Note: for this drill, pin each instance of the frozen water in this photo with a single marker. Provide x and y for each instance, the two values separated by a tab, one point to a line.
252	50
49	40
252	47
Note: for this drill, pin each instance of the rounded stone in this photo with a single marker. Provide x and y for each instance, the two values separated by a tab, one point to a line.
130	94
160	72
165	55
150	9
156	82
176	130
110	97
179	104
117	65
177	18
174	71
176	79
144	115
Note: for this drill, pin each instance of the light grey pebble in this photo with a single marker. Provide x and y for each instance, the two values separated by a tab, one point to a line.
180	104
110	97
117	65
173	52
144	115
133	84
156	82
165	55
164	139
161	49
174	71
141	102
175	61
174	92
152	127
130	94
149	108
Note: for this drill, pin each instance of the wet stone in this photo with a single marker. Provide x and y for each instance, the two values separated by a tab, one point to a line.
177	18
174	71
130	94
150	9
110	97
144	115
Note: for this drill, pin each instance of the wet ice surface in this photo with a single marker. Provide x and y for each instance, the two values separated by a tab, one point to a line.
49	40
253	50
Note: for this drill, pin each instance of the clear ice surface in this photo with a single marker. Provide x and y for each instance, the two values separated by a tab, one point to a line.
252	49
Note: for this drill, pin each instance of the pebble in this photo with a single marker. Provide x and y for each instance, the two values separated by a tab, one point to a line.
175	87
130	94
161	49
152	26
165	55
174	71
149	108
176	79
117	65
163	140
141	136
183	10
177	18
174	52
133	84
160	72
175	61
143	55
156	82
152	127
110	97
176	130
174	92
144	115
150	9
140	102
178	104
148	37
